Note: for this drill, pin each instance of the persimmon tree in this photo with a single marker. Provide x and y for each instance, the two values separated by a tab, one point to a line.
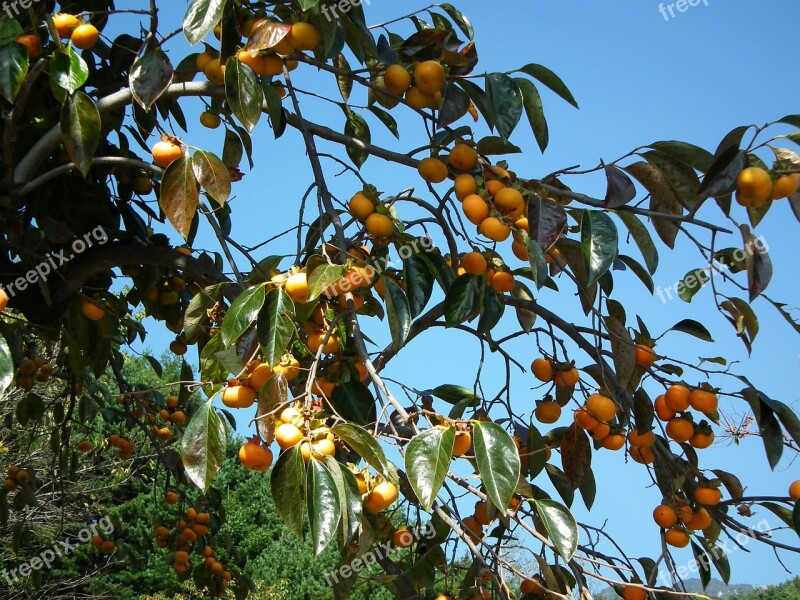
95	139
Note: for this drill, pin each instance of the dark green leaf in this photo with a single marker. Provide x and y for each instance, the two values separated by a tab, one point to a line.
534	110
461	300
354	402
459	19
324	506
598	243
576	456
551	80
68	71
662	200
287	482
150	77
620	189
427	462
244	93
180	196
275	326
418	280
13	69
241	314
453	394
497	459
203	445
561	526
363	443
506	102
356	127
80	130
201	18
694	328
6	366
398	312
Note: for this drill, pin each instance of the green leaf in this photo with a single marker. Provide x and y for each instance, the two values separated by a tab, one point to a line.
662	200
462	298
498	463
694	328
623	350
506	102
694	156
718	557
68	71
643	411
356	127
681	177
576	455
354	402
349	499
363	443
386	119
212	175
620	190
642	238
150	76
203	445
703	564
768	425
492	309
195	319
6	366
287	482
244	93
14	64
459	19
418	280
692	283
275	327
241	314
599	240
427	460
796	517
398	312
80	130
321	275
561	483
495	145
560	525
759	264
525	317
639	271
536	452
201	18
179	196
454	394
551	80
324	506
534	110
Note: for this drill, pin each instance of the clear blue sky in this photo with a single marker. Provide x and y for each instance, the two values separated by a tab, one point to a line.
638	79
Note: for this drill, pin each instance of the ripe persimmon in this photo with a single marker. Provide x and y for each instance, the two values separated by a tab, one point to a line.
601	407
473	528
700	520
465	186
166	152
708	496
259	377
361	207
703	401
786	186
645	357
542	369
397	80
482	513
289	367
475	209
613	441
676	537
794	490
287	435
585	420
429	76
645	440
32	44
677	398
509	202
210	120
548	412
494	229
702	439
754	186
432	170
566	377
462	443
304	36
85	36
240	396
665	516
92	311
382	496
664	412
680	429
403	538
379	226
254	456
463	157
65	24
417	99
534	585
297	287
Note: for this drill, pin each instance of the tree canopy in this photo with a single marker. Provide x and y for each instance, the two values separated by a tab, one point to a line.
372	487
